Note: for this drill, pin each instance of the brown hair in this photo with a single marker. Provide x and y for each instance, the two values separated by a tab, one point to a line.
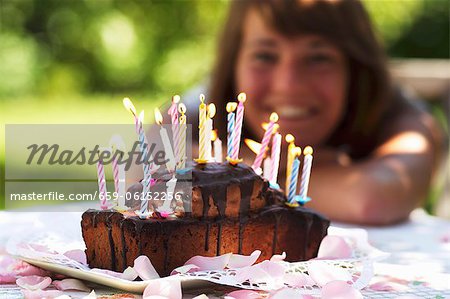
343	22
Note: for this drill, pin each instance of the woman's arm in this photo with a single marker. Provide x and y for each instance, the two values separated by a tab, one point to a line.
389	184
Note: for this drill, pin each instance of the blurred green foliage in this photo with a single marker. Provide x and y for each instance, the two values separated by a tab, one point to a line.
54	47
63	61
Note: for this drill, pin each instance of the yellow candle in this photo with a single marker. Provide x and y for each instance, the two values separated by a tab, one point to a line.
290	157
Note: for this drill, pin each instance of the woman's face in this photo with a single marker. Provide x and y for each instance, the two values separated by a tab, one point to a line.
303	79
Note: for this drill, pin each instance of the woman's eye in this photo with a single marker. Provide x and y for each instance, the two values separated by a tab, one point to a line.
265	57
319	58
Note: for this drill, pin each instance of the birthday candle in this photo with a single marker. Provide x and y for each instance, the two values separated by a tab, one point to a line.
202	128
130	107
231	106
217	147
238	126
169	196
181	155
146	166
294	174
267	168
265	141
209	127
102	184
290	158
144	147
275	157
170	164
173	112
306	171
116	143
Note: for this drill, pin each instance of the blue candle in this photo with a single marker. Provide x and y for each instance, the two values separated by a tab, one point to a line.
294	175
230	127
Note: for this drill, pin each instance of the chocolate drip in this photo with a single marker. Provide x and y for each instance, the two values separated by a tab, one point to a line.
309	224
111	242
275	233
166	248
94	219
208	228
219	237
124	245
241	230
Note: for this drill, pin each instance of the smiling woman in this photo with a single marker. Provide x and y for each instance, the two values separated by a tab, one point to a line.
319	66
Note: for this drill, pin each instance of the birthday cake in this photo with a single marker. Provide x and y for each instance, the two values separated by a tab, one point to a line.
231	209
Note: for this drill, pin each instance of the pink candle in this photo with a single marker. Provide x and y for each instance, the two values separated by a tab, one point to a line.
102	185
238	126
275	157
173	112
265	141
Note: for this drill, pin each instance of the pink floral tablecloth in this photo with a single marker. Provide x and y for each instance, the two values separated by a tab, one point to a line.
418	267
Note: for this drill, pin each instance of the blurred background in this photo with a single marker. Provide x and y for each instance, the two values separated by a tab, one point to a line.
73	61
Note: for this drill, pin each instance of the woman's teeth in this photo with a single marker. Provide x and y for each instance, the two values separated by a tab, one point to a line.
292	112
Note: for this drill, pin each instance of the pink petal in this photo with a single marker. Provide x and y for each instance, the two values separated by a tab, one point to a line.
144	268
33	282
388	286
322	273
278	257
77	255
276	270
129	274
243	294
92	295
298	279
40	294
261	272
210	263
184	269
7	278
334	247
285	293
165	288
21	268
202	296
239	261
70	284
340	290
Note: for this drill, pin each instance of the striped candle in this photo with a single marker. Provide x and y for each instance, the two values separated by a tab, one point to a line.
231	106
173	112
265	141
306	171
144	146
294	175
101	185
275	157
117	146
181	154
238	126
202	129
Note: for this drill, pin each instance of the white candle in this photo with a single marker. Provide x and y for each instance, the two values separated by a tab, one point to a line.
169	196
170	164
306	171
217	148
209	128
275	158
267	168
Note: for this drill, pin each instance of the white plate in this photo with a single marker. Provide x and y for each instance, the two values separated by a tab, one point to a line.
117	283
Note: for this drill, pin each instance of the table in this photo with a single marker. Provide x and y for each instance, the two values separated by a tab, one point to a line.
419	263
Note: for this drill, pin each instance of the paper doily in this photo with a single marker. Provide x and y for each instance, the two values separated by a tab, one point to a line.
360	266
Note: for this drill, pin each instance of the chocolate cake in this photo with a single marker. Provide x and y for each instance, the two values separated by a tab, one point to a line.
232	210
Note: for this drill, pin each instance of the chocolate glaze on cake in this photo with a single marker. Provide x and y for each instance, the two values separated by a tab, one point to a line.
233	210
